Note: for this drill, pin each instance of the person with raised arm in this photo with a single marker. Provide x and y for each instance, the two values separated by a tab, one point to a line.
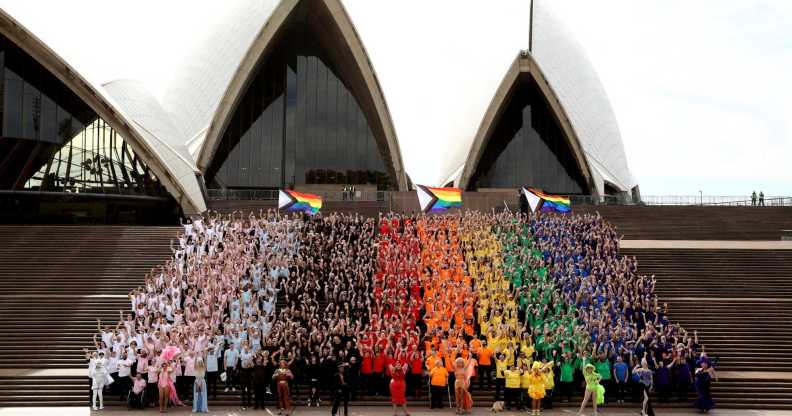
200	387
398	388
592	379
646	380
703	381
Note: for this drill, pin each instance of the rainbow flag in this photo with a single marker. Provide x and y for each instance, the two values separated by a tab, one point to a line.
299	201
438	199
547	202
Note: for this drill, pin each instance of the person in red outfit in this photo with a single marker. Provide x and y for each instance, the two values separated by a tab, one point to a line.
377	375
398	387
366	369
416	372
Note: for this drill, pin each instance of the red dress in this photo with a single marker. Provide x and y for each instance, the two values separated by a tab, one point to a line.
398	388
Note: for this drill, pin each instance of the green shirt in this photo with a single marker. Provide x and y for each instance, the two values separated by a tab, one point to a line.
603	368
567	372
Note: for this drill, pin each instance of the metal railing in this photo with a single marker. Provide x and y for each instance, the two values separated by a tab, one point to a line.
776	201
714	200
272	195
625	199
600	200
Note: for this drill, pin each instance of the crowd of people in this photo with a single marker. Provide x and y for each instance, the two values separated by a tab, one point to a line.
537	307
617	309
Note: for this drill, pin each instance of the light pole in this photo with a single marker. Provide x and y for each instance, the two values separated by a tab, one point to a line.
701	197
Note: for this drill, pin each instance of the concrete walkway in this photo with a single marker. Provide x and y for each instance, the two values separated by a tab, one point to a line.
375	411
707	244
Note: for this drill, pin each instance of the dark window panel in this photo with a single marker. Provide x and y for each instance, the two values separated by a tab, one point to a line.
316	133
528	148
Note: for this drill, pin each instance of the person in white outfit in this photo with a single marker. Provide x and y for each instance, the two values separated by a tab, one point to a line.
99	379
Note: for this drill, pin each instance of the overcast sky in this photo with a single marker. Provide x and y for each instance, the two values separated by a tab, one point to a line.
700	88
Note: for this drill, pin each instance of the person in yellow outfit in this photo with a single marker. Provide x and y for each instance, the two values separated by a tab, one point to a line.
536	387
512	376
525	365
547	370
500	378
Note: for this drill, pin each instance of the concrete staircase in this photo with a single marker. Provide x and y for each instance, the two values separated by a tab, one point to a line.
55	282
695	222
740	301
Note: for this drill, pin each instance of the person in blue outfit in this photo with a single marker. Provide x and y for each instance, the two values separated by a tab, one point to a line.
620	379
647	382
200	404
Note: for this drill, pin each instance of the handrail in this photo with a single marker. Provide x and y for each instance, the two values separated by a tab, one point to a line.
624	199
781	201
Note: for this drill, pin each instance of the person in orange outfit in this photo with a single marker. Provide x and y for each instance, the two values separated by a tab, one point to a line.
485	353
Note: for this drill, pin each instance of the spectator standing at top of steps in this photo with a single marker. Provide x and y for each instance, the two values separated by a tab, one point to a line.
761	199
753	198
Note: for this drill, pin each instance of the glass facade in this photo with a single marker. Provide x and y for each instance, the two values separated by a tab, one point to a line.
528	148
60	162
298	123
52	141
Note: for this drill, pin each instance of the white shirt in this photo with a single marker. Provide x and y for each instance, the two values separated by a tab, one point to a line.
111	364
107	337
211	361
124	367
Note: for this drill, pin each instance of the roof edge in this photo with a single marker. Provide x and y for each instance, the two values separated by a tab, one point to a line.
263	40
524	63
56	65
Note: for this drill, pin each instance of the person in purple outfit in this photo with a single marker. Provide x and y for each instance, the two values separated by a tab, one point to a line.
703	381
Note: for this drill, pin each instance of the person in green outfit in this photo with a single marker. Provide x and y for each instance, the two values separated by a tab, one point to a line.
603	367
592	384
566	380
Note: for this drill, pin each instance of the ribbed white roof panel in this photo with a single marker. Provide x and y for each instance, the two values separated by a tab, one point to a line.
202	78
581	93
149	119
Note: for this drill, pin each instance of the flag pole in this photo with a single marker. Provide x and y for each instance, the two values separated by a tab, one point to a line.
530	28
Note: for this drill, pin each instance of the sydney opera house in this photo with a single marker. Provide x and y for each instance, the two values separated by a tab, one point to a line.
286	93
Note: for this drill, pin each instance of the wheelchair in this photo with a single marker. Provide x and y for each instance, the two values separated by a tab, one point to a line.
136	401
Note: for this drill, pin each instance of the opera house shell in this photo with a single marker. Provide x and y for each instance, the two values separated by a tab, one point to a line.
291	93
